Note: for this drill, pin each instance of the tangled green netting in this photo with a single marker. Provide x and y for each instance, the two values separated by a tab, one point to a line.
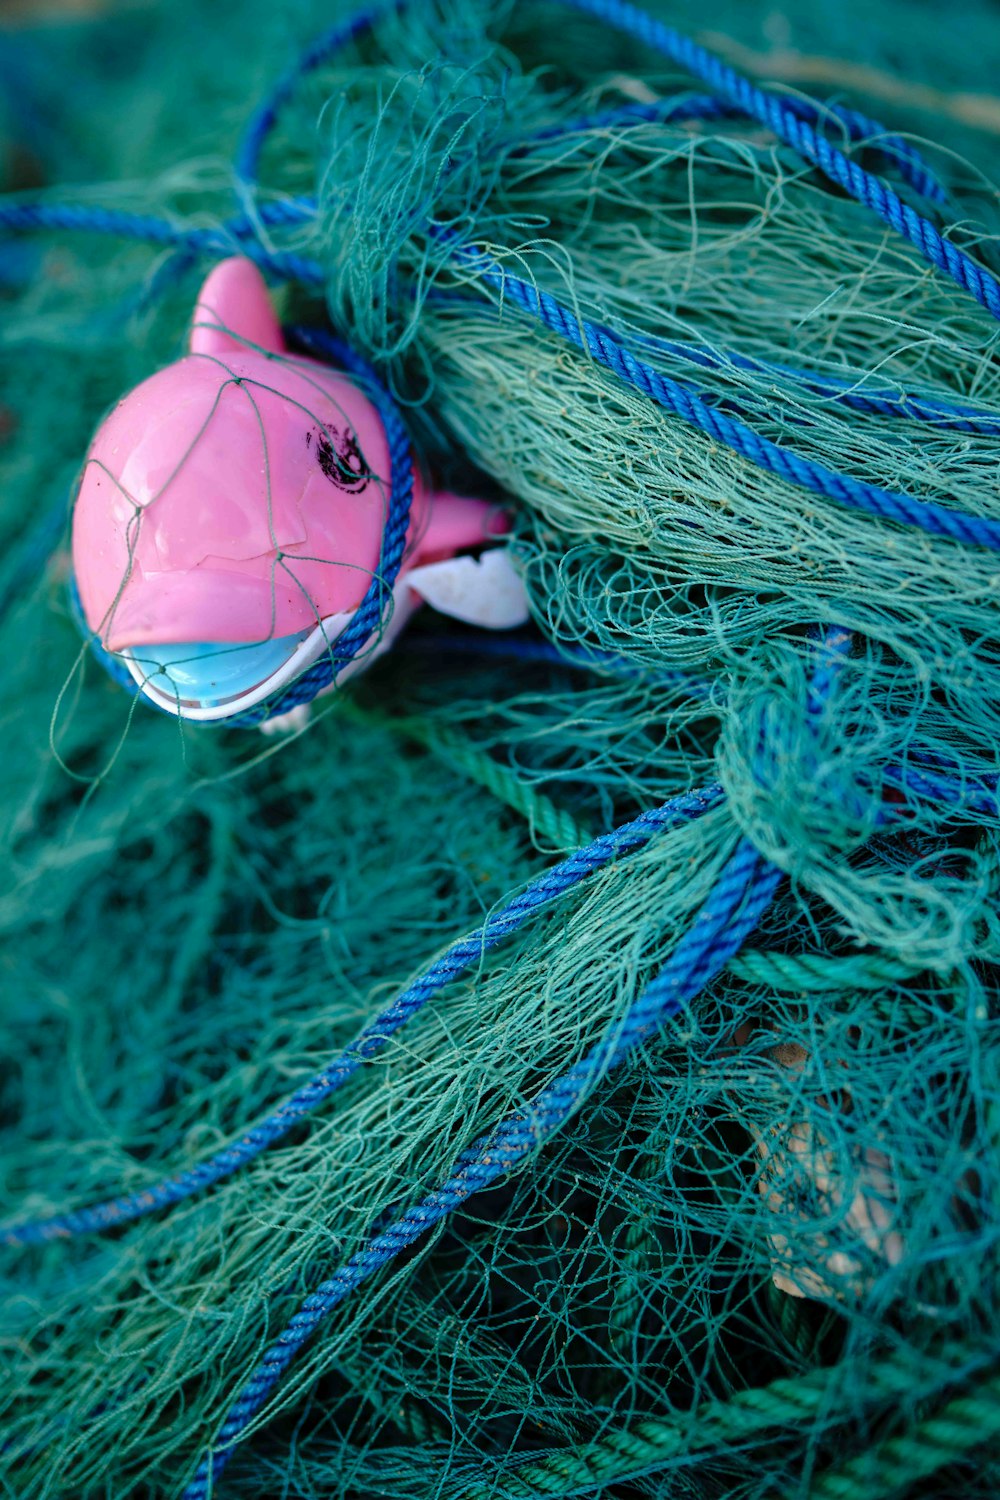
763	1260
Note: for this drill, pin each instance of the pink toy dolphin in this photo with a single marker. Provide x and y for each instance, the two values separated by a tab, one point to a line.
231	512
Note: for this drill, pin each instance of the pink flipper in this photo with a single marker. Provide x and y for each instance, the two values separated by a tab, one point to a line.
457	524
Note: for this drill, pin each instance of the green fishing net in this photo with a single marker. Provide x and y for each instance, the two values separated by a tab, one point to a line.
762	1258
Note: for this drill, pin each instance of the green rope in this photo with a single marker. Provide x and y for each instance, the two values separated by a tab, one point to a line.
822	1395
787	972
417	1425
794	1318
544	818
639	1244
970	1421
810	972
461	754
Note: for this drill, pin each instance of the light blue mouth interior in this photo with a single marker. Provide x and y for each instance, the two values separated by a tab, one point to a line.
209	673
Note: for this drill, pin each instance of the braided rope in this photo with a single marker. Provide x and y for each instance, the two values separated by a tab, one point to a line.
947	416
370	613
751	1416
948	1436
860	129
681	401
556	824
265	116
226	240
747	884
811	972
790	126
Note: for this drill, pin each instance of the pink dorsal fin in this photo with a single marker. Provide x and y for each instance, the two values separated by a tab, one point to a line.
234	312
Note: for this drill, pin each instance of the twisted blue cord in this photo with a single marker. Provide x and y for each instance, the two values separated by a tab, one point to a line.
747	884
950	417
788	120
301	209
743	892
547	887
681	401
792	121
740	897
860	129
244	226
265	116
789	126
34	214
966	794
367	619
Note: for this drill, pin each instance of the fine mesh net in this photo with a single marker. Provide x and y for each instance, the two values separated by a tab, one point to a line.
761	1258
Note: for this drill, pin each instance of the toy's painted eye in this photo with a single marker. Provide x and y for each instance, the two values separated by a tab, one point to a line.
341	459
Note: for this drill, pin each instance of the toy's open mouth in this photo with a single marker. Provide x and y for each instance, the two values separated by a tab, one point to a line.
212	680
216	680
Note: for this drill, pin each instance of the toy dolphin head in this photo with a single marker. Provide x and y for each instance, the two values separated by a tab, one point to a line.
231	511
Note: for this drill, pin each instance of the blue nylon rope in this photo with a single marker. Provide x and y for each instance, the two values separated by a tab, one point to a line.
874	401
33	214
748	883
680	400
370	613
790	120
740	897
545	888
793	122
799	133
265	116
81	216
947	416
745	889
860	129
